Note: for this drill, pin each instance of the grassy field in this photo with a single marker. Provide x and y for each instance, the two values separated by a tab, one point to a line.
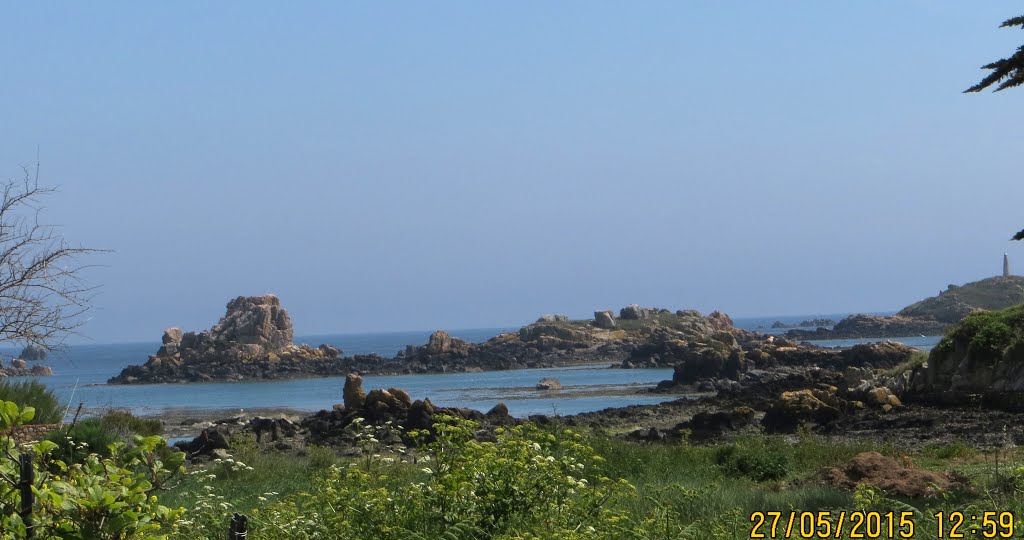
678	490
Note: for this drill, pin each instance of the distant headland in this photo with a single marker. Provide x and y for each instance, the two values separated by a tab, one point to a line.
931	316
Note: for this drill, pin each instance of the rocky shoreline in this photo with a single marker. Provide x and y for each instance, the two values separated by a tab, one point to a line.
747	382
886	392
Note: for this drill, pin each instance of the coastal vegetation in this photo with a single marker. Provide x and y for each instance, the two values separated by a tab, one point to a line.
527	482
987	333
461	481
645	491
31	393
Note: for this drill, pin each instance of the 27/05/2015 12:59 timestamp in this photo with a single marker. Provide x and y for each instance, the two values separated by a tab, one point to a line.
880	525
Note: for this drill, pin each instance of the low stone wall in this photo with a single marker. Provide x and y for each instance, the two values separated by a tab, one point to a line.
32	433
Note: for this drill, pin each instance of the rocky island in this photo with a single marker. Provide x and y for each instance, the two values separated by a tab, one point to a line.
254	341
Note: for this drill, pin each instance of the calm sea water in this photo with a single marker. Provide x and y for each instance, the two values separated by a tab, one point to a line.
81	372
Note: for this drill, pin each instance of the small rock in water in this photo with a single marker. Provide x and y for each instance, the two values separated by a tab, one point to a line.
549	383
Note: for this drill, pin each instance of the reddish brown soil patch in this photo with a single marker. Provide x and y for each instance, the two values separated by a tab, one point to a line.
885	473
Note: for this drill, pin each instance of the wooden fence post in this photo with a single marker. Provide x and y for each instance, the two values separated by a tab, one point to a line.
239	527
28	478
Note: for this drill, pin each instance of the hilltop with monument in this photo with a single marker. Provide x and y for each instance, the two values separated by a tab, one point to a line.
932	315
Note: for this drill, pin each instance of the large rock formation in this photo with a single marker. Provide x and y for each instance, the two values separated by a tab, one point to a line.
19	368
33	353
252	340
555	341
389	415
699	363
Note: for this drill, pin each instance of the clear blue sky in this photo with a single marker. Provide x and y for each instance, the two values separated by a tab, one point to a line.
413	165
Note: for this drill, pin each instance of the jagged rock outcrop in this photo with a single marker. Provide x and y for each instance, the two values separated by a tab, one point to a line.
389	415
252	340
257	320
33	353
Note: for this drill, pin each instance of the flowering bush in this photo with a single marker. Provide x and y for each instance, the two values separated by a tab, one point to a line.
526	480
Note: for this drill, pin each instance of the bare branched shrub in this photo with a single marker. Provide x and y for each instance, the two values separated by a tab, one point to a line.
42	294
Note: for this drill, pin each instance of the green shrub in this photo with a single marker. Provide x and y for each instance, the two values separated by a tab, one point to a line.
759	464
36	395
987	333
101	498
126	425
96	434
86	436
991	339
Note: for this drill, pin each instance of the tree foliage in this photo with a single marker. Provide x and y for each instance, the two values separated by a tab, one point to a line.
1008	72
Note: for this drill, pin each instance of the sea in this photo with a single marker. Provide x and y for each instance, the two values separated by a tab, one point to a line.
81	372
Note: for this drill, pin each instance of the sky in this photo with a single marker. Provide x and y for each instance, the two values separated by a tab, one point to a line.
411	165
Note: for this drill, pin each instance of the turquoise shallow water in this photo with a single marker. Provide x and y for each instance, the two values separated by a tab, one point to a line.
80	375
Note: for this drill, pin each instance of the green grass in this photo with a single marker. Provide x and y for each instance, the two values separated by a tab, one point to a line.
917	359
